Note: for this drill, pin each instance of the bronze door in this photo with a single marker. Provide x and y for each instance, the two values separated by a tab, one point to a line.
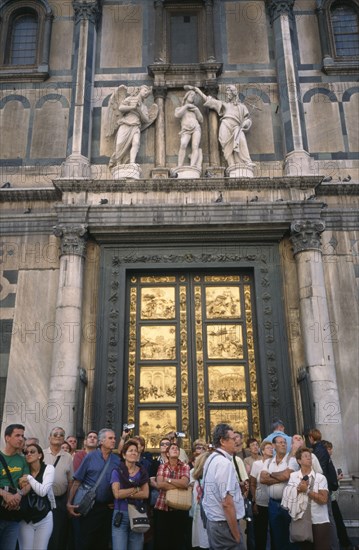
191	354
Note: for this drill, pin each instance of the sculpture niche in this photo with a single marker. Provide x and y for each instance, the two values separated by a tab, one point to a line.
128	116
191	119
235	121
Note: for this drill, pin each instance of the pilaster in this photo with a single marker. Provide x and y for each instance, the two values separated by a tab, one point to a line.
297	159
77	164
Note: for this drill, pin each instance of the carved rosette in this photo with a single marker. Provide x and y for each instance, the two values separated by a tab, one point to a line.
305	235
276	8
73	239
89	11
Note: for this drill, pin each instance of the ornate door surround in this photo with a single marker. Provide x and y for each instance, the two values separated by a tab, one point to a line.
114	375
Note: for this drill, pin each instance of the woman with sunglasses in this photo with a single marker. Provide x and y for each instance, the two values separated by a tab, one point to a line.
35	530
199	447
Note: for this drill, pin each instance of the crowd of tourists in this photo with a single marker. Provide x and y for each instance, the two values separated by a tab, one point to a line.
276	494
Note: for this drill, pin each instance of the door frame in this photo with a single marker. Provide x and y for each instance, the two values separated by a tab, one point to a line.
274	378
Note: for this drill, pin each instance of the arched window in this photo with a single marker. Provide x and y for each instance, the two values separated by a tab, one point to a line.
24	37
345	25
25	34
338	23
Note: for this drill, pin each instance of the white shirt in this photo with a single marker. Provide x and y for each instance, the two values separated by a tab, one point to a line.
63	470
44	488
319	512
270	465
220	479
262	495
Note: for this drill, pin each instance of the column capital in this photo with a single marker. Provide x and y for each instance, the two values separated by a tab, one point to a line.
276	8
158	4
89	10
159	92
305	235
73	239
211	88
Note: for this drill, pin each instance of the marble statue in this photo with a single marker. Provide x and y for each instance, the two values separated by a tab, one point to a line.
235	121
191	120
128	116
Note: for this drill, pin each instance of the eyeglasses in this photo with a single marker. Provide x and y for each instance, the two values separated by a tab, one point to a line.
199	447
58	434
165	444
34	451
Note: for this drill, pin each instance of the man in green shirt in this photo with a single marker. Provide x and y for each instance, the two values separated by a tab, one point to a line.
14	441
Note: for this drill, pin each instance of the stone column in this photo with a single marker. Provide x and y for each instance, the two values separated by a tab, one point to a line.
159	38
318	333
208	4
297	159
211	89
159	93
77	164
65	370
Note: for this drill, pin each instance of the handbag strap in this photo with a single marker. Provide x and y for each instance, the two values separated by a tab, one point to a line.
101	476
6	468
237	469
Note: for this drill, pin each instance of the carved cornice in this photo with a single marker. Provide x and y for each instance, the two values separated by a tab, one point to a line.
305	235
276	8
47	194
73	239
88	10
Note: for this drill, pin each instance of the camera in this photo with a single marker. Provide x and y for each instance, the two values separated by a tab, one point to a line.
128	427
117	519
180	434
339	471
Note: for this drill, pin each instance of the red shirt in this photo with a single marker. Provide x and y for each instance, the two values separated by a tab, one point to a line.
165	470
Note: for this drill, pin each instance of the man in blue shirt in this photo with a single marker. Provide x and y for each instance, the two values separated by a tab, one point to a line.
95	527
278	429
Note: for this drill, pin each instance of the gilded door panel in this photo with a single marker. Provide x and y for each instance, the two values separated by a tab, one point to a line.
191	354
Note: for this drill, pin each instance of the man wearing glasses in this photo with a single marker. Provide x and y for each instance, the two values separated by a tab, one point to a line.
223	501
62	462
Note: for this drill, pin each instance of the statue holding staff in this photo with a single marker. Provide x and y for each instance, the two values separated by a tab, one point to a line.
235	121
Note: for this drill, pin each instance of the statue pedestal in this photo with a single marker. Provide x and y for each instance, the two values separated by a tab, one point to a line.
186	172
240	171
126	172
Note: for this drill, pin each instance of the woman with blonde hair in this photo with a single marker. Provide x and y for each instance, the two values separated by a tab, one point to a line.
199	533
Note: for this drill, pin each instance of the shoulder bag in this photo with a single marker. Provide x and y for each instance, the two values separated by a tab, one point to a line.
138	517
301	529
179	499
85	495
34	507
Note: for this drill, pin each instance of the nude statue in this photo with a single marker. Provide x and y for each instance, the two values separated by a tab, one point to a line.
191	120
